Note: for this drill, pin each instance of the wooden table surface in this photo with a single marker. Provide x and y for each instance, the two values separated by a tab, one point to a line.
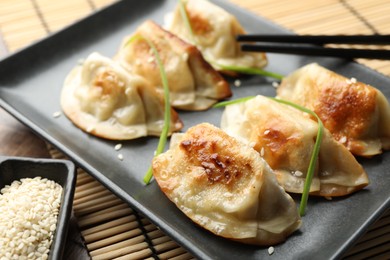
18	140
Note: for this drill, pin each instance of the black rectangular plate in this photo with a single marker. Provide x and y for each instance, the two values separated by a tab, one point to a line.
30	85
59	171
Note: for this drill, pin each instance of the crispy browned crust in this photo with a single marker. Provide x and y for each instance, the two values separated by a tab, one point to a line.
167	43
348	108
200	65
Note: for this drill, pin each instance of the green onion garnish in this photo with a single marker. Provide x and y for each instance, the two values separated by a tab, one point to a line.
231	102
167	107
186	20
249	71
314	154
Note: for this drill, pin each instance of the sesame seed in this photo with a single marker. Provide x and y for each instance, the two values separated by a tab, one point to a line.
151	59
237	83
90	128
275	84
118	147
267	132
110	78
298	173
120	157
353	80
343	140
57	114
185	56
262	152
271	250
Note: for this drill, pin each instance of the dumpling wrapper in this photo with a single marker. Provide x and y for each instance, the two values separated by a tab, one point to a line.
193	83
357	115
285	137
103	99
224	186
214	33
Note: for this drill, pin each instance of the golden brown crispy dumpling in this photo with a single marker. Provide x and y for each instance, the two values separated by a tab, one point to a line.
193	83
226	187
285	137
103	99
214	33
356	114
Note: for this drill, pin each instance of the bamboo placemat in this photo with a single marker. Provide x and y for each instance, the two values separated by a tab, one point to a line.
110	227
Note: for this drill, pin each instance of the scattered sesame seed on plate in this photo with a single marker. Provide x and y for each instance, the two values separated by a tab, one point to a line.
237	83
57	114
118	147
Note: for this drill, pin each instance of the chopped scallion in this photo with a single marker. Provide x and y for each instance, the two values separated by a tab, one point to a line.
186	19
167	107
249	71
231	102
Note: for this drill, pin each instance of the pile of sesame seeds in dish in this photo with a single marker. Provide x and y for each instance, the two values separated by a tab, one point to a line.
29	211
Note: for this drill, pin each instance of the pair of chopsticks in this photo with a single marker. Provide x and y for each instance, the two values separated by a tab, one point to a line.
311	45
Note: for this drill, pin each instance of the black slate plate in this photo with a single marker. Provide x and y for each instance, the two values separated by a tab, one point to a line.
30	85
60	171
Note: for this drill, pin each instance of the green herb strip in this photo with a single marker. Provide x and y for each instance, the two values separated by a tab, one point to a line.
186	19
314	154
249	71
231	102
167	107
316	149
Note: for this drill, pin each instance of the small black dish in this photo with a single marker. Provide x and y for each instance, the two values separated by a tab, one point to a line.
60	171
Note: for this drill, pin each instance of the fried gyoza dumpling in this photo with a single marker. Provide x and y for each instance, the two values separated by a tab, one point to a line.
356	114
214	32
285	137
226	187
193	83
103	99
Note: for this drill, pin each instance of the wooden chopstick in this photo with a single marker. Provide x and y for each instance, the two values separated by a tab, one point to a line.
317	39
291	44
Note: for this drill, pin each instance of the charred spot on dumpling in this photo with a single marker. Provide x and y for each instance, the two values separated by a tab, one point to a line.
288	138
192	84
224	186
346	107
199	24
218	165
